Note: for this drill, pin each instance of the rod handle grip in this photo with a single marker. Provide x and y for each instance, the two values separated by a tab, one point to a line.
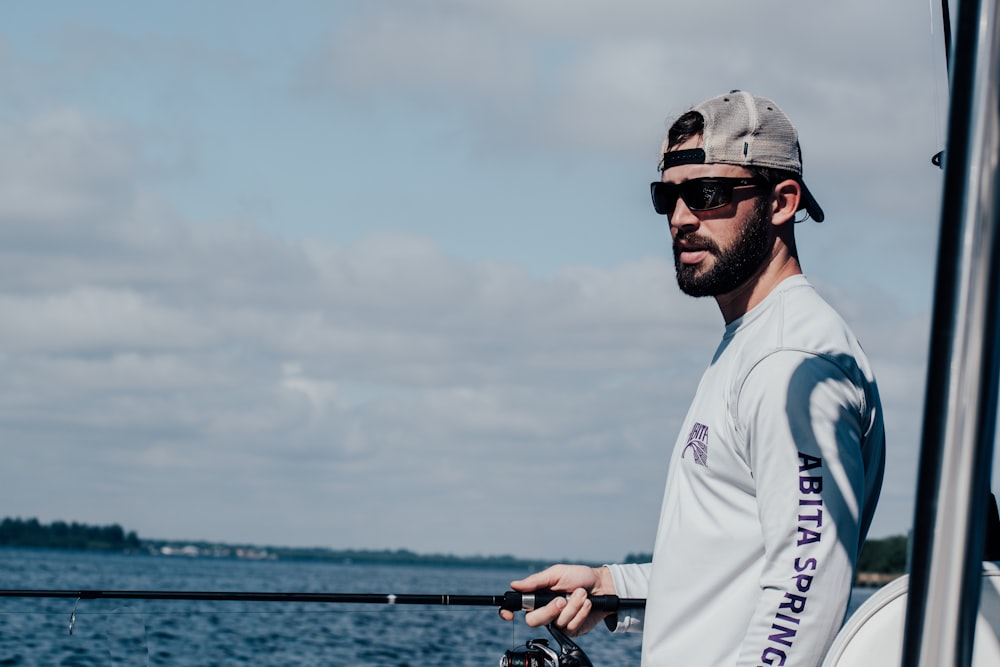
514	601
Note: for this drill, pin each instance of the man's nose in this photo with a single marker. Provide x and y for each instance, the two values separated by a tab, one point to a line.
683	217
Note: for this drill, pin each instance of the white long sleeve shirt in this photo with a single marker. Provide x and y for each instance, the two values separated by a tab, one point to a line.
771	488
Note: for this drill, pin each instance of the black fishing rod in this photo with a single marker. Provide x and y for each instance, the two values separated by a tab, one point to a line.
510	601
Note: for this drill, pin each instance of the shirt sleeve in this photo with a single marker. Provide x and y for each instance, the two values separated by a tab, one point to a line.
631	581
803	422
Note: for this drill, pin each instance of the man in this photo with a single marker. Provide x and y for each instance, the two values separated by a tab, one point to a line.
775	474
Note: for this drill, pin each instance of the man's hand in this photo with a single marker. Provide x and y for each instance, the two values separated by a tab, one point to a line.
573	614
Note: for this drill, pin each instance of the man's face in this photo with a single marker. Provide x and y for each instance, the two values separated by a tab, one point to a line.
723	268
718	250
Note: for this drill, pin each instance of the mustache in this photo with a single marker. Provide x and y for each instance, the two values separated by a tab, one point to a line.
691	240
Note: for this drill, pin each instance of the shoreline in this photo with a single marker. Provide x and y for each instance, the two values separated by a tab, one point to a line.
875	579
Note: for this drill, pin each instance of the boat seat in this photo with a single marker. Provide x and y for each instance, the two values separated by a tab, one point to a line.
873	635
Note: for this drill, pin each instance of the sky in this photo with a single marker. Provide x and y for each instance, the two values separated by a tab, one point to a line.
384	274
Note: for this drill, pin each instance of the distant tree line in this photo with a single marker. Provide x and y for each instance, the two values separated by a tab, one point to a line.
638	558
396	557
62	535
884	556
368	556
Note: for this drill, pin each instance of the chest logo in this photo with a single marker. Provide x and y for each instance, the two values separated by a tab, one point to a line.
697	442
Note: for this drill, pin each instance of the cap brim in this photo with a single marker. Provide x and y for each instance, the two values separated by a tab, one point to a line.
810	204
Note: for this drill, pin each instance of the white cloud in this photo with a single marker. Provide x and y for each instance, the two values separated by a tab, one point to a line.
60	164
88	319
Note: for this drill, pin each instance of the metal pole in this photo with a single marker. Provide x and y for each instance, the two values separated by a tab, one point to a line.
961	401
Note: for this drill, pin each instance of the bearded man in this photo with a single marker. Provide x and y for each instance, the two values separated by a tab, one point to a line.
776	472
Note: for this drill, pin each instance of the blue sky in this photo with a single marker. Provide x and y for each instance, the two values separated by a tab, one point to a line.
385	274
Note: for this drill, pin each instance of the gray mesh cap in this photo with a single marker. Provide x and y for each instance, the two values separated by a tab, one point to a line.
746	130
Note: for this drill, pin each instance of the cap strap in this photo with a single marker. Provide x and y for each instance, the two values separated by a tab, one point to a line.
688	156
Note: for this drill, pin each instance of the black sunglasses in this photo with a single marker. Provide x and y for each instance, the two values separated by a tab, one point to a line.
699	194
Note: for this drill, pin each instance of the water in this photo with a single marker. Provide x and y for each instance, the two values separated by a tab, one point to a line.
229	634
35	632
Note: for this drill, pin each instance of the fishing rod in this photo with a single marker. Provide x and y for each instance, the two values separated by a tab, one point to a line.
510	601
535	653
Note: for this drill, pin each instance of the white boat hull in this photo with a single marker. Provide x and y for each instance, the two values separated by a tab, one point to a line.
873	635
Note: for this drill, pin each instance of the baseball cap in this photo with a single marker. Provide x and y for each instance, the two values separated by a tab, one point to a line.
746	130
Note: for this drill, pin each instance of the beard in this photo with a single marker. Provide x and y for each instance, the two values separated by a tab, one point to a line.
734	265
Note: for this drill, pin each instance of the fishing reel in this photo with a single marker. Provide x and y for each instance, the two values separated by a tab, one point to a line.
538	653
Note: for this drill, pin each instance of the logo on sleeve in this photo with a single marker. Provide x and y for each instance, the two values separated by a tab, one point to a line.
697	442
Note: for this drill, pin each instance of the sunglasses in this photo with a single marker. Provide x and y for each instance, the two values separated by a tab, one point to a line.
699	194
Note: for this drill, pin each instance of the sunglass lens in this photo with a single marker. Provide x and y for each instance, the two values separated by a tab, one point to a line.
664	197
703	194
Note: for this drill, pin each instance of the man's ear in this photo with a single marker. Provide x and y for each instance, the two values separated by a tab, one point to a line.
785	200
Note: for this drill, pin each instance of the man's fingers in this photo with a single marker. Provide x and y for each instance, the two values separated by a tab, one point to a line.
568	613
575	612
547	614
544	579
571	614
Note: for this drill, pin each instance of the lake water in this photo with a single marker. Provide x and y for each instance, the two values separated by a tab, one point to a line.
230	634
